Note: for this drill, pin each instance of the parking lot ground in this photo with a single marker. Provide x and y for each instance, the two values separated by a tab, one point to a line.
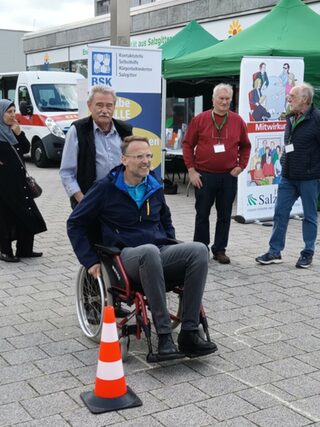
264	319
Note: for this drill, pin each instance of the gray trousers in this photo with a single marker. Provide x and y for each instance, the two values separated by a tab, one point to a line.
159	270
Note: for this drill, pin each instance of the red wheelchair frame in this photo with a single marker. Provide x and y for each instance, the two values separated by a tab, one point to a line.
114	288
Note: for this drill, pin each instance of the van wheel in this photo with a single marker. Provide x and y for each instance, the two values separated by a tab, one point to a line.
39	156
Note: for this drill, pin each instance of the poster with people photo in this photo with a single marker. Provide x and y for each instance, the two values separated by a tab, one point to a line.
265	83
265	164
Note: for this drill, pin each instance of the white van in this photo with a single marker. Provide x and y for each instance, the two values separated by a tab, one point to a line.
46	105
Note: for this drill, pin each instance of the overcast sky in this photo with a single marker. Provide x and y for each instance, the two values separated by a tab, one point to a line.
33	15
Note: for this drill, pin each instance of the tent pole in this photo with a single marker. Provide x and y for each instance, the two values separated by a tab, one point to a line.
163	125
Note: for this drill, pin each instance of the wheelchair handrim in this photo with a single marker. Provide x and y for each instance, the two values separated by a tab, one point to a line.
90	302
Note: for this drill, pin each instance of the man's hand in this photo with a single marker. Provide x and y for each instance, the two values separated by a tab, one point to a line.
95	270
78	196
195	178
15	127
236	171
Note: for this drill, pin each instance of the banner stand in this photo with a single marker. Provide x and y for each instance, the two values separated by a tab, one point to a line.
135	75
265	83
163	125
241	220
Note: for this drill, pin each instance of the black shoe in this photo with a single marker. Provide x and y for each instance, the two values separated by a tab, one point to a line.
268	258
31	255
221	257
166	346
191	343
9	258
304	261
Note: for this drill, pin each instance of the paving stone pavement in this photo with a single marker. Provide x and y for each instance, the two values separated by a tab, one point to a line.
264	319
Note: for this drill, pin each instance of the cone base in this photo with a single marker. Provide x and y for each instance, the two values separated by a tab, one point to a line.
98	405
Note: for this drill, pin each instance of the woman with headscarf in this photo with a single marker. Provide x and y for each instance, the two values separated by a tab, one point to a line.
20	218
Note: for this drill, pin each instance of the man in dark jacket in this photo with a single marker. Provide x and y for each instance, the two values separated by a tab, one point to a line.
92	146
299	177
130	206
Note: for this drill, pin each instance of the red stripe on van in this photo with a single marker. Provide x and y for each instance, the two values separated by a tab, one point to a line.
65	117
34	120
39	119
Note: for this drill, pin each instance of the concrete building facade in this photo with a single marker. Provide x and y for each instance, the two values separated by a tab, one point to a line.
151	24
11	48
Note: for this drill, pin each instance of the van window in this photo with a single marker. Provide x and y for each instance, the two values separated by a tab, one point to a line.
55	97
23	95
8	87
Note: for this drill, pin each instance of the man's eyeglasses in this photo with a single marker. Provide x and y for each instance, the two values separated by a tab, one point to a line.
140	157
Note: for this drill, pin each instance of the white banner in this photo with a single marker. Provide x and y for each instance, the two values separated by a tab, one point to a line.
125	68
264	85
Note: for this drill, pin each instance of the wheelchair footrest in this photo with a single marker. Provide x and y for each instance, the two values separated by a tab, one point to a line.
128	330
156	357
205	353
121	312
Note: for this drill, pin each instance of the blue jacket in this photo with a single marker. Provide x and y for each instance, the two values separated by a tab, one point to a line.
123	223
304	162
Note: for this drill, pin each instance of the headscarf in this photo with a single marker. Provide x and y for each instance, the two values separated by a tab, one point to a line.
6	133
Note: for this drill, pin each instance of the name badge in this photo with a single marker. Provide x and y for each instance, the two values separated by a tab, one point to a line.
219	148
289	148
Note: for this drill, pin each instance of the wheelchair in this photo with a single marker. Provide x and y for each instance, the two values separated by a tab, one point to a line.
114	288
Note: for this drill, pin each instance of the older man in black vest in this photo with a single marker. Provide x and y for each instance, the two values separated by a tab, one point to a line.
92	146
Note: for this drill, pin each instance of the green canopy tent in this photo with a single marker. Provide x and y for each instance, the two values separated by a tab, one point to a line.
192	38
290	29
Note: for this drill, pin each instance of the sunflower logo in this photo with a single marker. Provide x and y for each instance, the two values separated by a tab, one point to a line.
234	28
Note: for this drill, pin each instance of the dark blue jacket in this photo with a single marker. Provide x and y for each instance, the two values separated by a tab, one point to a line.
123	223
304	162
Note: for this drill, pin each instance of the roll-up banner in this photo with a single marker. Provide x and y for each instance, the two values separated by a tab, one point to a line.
265	83
135	75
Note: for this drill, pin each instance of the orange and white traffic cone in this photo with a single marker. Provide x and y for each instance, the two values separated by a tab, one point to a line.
111	391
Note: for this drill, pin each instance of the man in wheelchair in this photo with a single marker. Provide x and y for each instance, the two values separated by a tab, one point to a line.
130	206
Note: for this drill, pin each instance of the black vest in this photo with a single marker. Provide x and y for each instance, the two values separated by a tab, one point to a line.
87	174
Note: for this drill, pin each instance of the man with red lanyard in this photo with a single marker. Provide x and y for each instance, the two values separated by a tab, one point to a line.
216	150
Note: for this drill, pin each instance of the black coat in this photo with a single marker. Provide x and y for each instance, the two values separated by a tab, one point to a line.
304	162
15	197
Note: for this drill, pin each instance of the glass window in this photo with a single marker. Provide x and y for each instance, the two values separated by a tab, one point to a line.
8	88
47	66
179	111
80	66
23	95
55	97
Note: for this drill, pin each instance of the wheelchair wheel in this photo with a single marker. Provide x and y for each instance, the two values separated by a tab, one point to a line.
90	302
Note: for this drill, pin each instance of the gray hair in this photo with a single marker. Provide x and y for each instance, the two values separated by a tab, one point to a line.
222	86
307	91
105	90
